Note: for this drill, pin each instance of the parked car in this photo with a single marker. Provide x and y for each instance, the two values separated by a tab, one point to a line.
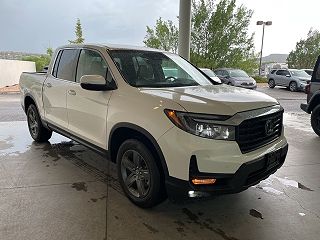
169	135
313	99
293	79
211	74
308	71
236	77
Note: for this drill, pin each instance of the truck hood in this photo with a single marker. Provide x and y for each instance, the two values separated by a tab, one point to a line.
214	99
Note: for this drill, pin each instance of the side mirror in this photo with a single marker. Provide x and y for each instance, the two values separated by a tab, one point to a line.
94	83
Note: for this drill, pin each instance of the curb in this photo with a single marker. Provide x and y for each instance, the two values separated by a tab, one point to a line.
9	93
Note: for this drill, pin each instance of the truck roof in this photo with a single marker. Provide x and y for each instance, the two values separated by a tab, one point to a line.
112	47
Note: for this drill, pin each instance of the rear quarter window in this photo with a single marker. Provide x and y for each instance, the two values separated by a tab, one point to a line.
67	64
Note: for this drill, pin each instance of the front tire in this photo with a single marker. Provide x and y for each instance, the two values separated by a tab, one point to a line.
271	83
139	174
37	131
293	86
315	120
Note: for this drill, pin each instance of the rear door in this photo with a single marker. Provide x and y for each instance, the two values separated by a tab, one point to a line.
55	88
315	80
280	77
87	110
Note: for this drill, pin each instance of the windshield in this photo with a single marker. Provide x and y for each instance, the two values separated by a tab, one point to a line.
299	73
238	73
155	69
209	72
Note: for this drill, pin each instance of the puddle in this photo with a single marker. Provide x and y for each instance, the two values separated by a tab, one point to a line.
255	213
150	228
269	190
80	186
292	183
265	185
97	199
15	138
298	121
206	224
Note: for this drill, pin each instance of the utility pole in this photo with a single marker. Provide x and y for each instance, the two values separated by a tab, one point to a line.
268	23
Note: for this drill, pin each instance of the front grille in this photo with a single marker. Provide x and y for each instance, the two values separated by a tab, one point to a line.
247	84
257	132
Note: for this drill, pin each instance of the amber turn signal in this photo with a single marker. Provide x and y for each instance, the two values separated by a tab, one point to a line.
203	181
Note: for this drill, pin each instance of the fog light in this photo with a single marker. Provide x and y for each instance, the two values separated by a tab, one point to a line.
208	181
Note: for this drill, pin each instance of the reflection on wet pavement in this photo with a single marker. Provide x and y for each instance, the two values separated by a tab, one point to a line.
252	214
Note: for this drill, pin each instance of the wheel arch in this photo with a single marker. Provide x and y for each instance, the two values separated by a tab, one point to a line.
29	99
315	101
123	131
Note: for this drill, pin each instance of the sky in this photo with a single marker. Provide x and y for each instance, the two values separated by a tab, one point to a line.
33	25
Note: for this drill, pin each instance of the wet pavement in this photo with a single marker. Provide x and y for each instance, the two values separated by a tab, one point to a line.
62	190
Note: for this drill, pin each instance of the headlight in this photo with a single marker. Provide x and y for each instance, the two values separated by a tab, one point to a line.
202	125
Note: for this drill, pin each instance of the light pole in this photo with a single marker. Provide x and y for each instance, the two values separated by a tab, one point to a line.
268	23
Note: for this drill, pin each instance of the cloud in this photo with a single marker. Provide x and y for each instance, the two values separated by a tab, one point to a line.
32	26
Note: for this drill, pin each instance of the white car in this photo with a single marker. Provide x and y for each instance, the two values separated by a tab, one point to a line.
169	135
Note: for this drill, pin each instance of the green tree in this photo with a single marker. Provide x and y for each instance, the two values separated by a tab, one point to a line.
163	36
220	35
40	61
49	51
78	31
306	51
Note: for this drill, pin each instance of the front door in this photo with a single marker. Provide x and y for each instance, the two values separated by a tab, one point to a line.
87	110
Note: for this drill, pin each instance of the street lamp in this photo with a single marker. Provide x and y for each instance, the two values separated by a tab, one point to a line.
268	23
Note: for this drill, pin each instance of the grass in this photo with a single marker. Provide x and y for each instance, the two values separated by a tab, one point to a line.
260	79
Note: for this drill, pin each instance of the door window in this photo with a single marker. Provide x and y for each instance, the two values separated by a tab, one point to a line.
67	64
91	63
283	72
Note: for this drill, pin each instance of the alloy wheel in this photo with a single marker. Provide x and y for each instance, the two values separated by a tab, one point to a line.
135	173
293	87
33	123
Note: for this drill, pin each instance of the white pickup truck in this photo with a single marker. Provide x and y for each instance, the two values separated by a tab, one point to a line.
169	135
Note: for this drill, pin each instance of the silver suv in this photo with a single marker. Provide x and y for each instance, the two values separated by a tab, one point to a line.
293	79
236	77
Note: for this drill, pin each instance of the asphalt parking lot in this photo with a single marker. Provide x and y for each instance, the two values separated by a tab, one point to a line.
62	190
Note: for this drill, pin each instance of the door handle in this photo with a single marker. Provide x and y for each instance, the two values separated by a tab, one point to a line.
72	92
49	85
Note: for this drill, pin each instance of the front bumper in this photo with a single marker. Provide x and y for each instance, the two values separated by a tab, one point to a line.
249	174
302	86
247	86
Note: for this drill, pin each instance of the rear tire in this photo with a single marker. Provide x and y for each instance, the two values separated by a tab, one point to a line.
271	83
293	87
37	131
139	174
315	120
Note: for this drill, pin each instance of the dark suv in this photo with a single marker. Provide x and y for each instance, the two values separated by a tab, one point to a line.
313	99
